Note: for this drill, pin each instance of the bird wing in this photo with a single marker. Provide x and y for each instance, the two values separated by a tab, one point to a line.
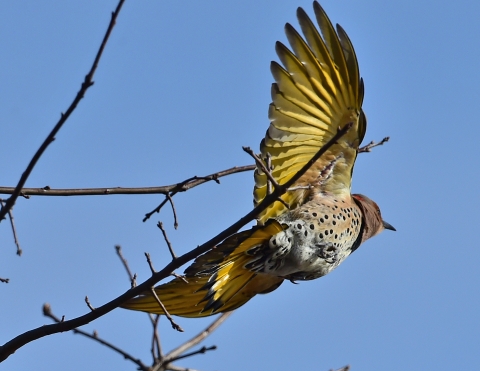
317	91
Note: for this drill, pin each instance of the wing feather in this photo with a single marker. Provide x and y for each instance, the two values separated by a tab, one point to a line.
317	90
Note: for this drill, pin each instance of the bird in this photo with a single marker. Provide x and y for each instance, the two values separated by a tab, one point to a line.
318	222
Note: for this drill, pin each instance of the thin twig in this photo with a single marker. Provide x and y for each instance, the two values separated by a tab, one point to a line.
133	283
372	144
19	341
87	83
160	225
268	163
88	304
47	311
156	341
262	166
194	181
281	200
118	249
175	220
300	187
150	264
202	350
174	188
198	338
4	280
179	277
175	326
14	230
133	278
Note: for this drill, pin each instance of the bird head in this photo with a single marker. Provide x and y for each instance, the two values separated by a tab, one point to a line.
372	217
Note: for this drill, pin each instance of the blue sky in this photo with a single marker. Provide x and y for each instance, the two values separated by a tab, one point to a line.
181	88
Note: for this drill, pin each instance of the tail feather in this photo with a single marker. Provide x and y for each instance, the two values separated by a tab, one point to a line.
178	297
228	285
182	299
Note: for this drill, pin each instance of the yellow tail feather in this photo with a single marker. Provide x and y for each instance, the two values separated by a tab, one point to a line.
227	286
184	300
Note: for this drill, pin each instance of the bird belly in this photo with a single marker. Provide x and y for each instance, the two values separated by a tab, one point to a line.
318	239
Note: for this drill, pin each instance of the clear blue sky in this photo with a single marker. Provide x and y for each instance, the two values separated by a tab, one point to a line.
181	87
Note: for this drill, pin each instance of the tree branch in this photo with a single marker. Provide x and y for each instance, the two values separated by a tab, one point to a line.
14	230
202	350
186	184
132	277
264	168
47	312
175	325
153	319
87	83
164	232
372	144
175	353
173	188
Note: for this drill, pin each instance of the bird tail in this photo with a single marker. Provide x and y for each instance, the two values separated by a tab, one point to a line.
217	281
182	299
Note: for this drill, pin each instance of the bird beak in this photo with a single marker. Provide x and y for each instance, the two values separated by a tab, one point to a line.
388	226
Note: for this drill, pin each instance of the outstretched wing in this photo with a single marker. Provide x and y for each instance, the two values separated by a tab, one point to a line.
318	90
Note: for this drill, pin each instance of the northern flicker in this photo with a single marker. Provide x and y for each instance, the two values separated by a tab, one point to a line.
317	90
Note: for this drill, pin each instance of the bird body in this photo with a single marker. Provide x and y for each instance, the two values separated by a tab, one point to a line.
318	223
322	233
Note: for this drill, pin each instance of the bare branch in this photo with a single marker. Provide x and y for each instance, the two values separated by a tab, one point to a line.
160	225
153	320
175	326
262	166
269	168
152	290
193	182
372	144
19	341
150	264
87	83
88	304
118	249
156	349
175	188
202	350
133	283
281	200
4	280
175	353
175	223
179	277
47	311
14	230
